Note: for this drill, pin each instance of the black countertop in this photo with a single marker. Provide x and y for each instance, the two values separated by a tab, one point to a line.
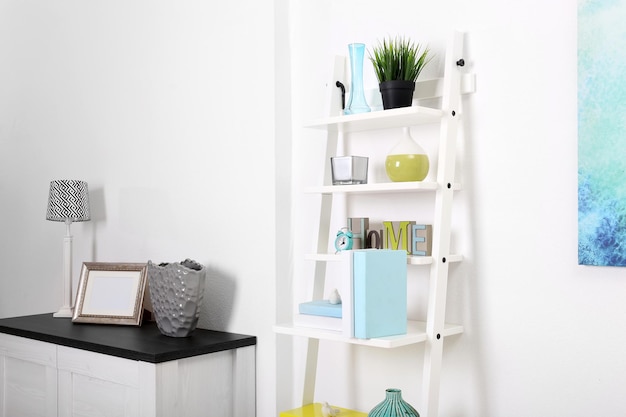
143	343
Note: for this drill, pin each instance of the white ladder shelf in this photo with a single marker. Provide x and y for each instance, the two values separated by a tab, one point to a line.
433	331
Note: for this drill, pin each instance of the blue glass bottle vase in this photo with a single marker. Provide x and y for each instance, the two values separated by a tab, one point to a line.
356	102
393	406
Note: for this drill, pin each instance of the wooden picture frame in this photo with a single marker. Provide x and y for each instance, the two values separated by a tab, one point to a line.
111	293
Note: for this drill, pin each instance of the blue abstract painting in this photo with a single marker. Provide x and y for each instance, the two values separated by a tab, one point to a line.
602	132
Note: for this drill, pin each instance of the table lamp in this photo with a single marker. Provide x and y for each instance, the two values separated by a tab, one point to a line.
68	202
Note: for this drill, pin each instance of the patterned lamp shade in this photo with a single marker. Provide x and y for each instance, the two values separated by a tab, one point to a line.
68	201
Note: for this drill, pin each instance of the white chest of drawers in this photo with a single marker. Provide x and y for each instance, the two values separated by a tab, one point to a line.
51	367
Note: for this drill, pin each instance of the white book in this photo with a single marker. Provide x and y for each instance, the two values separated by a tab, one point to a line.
343	270
347	293
318	322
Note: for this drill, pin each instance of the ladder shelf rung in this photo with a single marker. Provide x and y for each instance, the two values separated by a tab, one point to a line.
381	187
411	260
416	333
381	119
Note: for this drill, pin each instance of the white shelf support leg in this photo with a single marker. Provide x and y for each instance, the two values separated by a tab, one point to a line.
334	144
441	235
310	371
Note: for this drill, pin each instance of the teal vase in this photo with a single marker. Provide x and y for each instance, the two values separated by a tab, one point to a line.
393	406
357	102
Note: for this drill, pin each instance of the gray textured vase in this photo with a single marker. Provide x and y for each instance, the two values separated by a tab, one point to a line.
176	292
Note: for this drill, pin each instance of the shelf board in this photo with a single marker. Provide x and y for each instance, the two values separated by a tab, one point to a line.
381	119
416	333
381	187
411	260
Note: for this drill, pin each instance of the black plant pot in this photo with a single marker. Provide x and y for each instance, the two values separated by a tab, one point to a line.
397	93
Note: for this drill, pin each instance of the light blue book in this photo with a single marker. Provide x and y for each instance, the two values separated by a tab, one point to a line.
320	308
380	306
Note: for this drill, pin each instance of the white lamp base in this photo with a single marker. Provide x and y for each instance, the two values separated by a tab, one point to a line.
64	312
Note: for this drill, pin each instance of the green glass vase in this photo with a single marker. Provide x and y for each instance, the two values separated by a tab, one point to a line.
393	406
407	160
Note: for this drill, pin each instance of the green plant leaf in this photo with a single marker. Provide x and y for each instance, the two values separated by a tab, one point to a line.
399	59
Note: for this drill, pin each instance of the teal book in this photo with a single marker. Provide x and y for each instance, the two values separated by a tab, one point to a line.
380	305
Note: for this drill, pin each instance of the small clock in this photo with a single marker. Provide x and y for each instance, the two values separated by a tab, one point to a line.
343	241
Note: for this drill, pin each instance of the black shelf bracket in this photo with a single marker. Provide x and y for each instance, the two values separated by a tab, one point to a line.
343	94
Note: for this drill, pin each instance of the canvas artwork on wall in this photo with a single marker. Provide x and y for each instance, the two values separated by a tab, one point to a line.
601	133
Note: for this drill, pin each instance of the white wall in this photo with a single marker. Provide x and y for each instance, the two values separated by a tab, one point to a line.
166	109
544	336
128	96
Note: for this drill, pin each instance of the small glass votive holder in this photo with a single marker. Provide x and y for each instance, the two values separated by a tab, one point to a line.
349	170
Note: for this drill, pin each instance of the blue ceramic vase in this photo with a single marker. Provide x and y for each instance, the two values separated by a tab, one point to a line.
393	406
357	102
